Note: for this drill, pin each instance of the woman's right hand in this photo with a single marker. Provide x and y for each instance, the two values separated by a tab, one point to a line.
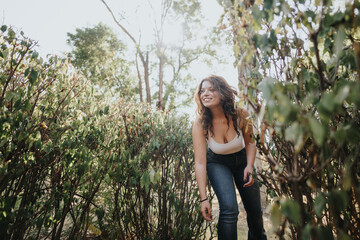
206	210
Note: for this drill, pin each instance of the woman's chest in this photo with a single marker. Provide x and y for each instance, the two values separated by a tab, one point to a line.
223	133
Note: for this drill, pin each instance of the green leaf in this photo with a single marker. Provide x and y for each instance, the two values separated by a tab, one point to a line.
291	210
328	45
317	130
331	20
342	94
273	38
352	133
257	14
35	55
355	96
27	71
319	205
271	192
11	35
9	96
3	28
327	106
18	104
324	233
106	110
145	181
306	233
81	169
152	175
343	236
268	4
340	136
264	40
275	215
33	76
310	14
265	86
3	141
347	181
236	50
338	199
294	134
38	144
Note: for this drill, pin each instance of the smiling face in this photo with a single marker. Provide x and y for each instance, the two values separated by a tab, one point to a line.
209	96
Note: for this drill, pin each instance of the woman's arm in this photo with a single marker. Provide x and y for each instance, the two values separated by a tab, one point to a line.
250	147
199	143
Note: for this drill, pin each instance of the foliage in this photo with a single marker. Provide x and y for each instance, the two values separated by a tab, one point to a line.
180	56
167	63
74	167
99	54
299	67
154	192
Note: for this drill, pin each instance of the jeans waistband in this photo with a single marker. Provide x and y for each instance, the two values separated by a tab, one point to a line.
242	151
233	160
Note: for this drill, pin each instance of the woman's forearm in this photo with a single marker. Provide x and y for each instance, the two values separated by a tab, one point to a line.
250	154
200	174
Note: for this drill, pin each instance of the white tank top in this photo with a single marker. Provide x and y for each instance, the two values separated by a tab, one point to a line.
233	146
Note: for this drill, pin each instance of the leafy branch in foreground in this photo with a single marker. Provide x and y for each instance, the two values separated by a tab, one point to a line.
299	70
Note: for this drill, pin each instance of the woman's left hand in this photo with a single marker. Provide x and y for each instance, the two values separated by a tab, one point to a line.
248	178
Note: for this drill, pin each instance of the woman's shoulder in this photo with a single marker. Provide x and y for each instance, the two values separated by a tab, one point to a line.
198	127
197	124
243	117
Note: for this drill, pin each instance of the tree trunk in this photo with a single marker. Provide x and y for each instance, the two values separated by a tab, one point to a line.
145	62
159	104
146	76
139	77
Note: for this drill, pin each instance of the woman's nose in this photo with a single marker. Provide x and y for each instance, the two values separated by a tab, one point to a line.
205	92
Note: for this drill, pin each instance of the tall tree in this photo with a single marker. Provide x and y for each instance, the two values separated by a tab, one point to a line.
99	54
173	60
143	54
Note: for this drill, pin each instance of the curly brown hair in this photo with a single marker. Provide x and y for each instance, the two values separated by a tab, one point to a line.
227	101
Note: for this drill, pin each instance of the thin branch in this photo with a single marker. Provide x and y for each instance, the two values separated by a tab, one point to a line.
313	37
119	24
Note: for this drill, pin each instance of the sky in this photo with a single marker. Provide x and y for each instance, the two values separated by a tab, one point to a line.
48	21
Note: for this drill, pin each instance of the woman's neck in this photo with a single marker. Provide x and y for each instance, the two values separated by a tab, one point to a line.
217	113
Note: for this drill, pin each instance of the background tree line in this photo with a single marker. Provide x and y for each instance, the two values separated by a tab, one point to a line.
164	68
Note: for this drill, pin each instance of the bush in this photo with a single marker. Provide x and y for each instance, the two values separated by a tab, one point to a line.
299	66
73	166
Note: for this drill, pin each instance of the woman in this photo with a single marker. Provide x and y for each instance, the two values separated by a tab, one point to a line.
229	158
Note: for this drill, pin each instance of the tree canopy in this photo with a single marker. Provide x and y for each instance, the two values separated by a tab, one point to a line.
100	55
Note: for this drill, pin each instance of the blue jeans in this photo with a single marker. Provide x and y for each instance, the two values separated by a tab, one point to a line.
223	171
